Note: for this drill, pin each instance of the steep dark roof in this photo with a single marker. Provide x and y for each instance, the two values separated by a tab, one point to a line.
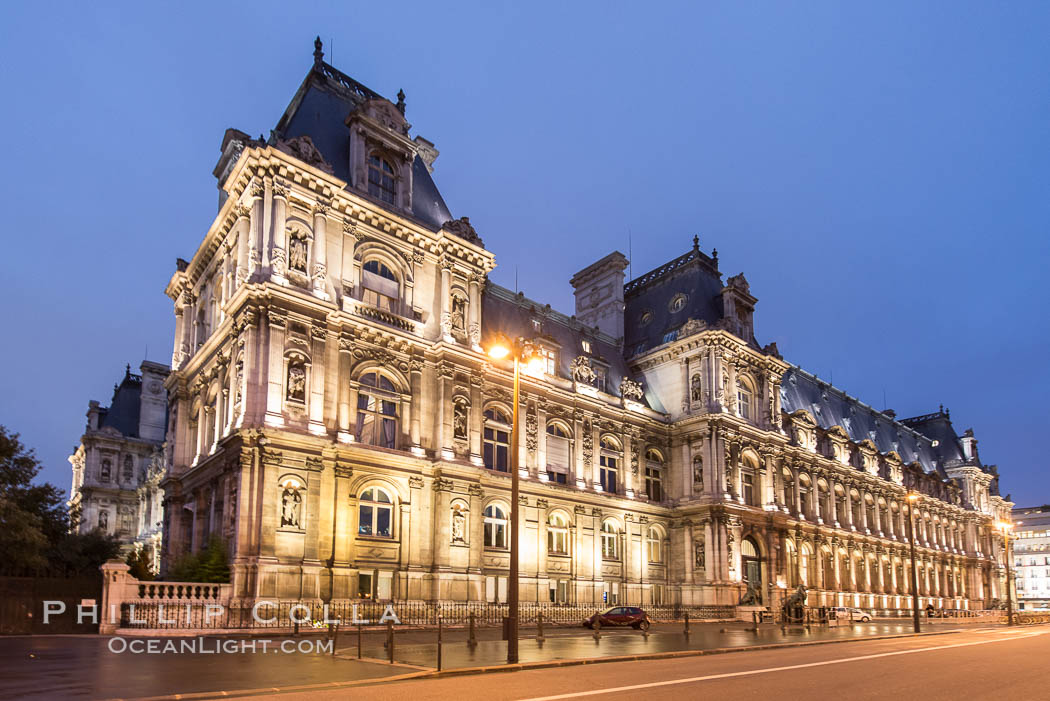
504	312
319	110
831	406
695	275
938	427
123	411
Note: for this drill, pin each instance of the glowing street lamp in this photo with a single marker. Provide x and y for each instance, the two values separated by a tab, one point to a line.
1005	527
913	499
520	351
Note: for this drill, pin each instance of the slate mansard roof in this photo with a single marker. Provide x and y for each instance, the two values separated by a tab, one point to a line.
319	110
123	411
512	314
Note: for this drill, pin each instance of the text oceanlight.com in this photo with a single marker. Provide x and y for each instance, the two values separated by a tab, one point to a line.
211	646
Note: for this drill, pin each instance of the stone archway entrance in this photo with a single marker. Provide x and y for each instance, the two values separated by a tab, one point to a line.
751	566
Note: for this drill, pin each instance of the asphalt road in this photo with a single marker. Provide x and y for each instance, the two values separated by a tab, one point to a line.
986	663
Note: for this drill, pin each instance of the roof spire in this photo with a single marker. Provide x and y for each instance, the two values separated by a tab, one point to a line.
318	53
401	102
696	243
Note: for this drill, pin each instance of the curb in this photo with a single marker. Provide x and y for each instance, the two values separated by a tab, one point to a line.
525	666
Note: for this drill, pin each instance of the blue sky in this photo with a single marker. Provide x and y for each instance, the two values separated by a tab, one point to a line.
878	171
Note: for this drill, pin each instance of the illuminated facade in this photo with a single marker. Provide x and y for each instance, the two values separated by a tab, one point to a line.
335	420
1031	555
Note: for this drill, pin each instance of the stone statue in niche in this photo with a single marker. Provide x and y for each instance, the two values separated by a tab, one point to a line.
240	371
694	389
103	521
459	419
459	314
296	383
701	558
104	473
291	507
129	468
297	254
459	525
698	473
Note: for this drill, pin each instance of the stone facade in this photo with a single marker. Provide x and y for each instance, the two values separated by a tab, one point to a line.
1031	554
119	463
334	419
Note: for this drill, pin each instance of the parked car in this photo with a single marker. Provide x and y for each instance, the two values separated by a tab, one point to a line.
846	613
619	616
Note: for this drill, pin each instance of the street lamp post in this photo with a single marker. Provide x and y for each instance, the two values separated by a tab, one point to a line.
913	498
1005	528
519	351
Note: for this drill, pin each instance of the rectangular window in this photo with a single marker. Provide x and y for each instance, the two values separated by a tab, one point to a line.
496	449
654	482
557	477
364	586
747	481
550	364
586	346
557	454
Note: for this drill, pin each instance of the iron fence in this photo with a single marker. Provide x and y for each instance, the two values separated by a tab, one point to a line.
284	614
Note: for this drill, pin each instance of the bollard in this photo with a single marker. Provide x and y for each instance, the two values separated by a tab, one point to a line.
755	615
471	638
686	631
359	640
439	643
390	640
335	636
597	630
539	626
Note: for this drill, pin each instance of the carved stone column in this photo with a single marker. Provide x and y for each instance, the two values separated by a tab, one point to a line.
256	195
319	268
319	341
446	291
444	416
275	369
278	252
344	411
474	324
242	227
416	381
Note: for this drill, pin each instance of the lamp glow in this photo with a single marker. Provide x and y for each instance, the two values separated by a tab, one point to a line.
499	351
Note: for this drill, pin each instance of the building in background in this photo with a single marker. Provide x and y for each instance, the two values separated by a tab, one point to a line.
119	464
1031	553
334	418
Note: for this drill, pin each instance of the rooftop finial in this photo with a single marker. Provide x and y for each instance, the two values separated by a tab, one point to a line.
127	370
714	255
318	53
401	102
696	243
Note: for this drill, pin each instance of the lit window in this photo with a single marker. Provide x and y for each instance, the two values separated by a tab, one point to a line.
654	542
610	541
747	485
670	336
376	411
495	527
549	361
586	346
558	452
557	534
381	179
375	512
496	446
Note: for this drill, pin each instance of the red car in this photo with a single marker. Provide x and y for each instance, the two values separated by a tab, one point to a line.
619	616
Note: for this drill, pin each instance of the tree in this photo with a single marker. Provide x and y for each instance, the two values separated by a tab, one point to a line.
34	524
141	565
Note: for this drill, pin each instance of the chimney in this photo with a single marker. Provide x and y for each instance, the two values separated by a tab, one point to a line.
153	401
599	294
969	445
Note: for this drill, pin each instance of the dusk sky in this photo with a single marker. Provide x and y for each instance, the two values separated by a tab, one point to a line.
878	172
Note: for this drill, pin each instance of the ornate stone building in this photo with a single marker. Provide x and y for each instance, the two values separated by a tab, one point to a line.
333	416
119	464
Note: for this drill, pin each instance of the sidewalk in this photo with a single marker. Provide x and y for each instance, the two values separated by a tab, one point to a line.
420	647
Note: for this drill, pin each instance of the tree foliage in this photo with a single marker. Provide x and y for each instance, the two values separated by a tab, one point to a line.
209	565
35	527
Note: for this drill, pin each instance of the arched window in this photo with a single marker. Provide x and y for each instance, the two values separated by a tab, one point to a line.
806	564
698	474
558	452
129	468
610	541
654	475
381	183
380	286
375	513
496	443
748	472
788	490
654	541
609	461
376	411
745	398
751	566
495	527
557	534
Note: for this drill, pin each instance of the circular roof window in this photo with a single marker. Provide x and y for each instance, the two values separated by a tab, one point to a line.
646	317
677	303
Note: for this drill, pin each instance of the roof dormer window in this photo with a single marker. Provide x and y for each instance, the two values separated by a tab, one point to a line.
381	183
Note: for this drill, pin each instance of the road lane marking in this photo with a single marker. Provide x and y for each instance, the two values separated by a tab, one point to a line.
671	682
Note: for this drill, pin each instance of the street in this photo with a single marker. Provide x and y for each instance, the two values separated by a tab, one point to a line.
986	663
